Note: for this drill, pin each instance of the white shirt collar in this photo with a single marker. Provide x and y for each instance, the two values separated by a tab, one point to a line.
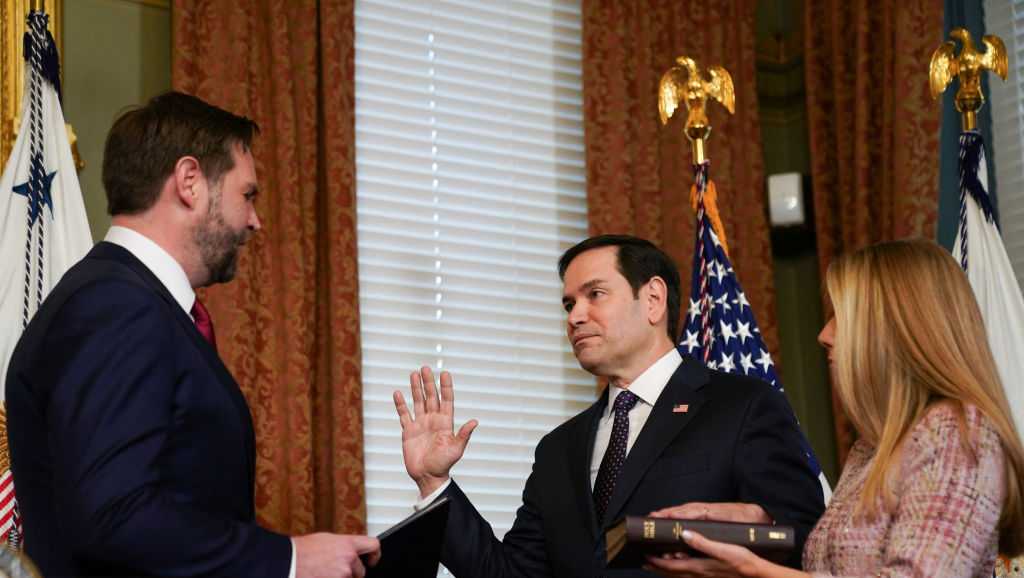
157	260
649	384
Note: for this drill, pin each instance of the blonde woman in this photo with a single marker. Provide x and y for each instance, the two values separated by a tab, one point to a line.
933	487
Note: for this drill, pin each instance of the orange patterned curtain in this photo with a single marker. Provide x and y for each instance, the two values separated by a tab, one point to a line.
288	327
638	172
874	128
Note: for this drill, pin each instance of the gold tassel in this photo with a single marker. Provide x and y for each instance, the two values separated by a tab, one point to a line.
711	208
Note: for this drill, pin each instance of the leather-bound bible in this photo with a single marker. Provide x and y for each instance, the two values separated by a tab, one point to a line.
635	537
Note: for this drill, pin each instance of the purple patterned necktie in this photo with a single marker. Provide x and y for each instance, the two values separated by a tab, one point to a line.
615	455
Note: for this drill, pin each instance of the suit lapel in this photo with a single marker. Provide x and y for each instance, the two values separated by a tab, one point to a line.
110	251
581	452
662	427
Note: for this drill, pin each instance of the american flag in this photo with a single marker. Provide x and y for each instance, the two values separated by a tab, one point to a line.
45	230
10	521
720	327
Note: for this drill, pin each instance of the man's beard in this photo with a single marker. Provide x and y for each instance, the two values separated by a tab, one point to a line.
218	244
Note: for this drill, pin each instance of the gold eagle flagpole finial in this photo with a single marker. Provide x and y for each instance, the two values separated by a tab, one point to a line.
967	67
683	83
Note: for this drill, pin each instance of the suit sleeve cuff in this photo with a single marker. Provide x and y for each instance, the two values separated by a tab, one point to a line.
424	502
291	568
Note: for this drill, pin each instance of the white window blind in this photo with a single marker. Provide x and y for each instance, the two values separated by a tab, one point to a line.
470	166
1005	18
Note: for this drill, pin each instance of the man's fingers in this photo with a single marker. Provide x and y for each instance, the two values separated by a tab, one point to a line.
723	511
429	389
374	558
688	511
467	430
403	411
670	566
365	544
447	392
416	387
358	570
693	511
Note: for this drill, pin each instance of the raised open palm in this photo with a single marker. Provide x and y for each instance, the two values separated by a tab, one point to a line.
430	445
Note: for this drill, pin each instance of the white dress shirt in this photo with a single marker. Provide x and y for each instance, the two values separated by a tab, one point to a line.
169	272
647	386
166	269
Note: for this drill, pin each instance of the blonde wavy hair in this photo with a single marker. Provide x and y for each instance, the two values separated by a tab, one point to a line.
909	334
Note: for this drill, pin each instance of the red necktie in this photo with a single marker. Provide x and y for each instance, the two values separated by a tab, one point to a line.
203	322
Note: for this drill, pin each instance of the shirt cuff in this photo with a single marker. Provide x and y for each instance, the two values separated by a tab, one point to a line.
424	502
291	568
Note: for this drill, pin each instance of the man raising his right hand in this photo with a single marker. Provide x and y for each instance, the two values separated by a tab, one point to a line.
667	431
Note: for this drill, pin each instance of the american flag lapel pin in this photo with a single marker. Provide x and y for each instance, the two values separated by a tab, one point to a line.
681	408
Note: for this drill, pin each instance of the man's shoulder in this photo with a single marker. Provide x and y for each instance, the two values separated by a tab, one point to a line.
92	293
567	430
715	383
728	392
721	382
101	278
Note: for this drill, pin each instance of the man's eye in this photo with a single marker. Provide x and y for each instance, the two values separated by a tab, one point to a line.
567	307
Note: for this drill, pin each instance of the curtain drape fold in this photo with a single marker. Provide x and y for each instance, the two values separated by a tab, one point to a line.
288	326
874	128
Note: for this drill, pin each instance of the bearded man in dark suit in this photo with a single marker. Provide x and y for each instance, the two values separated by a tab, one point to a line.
131	444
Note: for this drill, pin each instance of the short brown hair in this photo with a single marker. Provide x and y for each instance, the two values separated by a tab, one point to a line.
146	142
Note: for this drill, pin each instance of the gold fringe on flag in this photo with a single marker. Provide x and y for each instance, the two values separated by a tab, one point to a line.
711	208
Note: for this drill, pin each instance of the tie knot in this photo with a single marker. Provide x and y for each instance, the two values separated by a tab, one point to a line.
199	312
625	401
203	322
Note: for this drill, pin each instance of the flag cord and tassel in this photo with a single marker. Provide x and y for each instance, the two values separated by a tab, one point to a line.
700	184
37	28
706	196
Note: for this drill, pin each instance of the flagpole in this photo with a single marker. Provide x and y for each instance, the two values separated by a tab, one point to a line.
684	84
720	324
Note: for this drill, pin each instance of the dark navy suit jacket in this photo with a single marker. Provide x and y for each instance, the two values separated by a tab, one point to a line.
738	442
132	446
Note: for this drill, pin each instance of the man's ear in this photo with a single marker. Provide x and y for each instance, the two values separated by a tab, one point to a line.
188	181
656	298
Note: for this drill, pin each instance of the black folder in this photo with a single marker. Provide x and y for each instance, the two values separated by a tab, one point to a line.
412	547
